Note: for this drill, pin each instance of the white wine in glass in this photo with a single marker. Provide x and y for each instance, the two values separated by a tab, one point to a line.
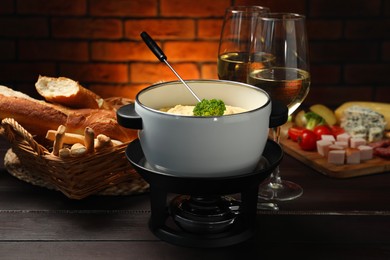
286	78
235	41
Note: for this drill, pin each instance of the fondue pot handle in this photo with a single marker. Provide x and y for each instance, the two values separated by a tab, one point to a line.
127	117
279	114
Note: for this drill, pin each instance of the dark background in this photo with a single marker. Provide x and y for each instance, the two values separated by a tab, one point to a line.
97	43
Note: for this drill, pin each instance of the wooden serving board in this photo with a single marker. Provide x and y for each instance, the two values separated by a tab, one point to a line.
319	163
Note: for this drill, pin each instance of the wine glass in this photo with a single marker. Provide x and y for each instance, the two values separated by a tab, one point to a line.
235	41
279	64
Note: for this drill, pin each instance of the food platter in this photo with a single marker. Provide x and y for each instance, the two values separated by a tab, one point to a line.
319	163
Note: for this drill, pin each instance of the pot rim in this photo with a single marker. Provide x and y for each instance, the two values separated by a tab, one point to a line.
157	85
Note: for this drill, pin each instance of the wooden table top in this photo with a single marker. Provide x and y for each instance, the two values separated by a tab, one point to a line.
334	218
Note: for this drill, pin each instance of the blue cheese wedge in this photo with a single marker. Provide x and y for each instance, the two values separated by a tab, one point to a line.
364	123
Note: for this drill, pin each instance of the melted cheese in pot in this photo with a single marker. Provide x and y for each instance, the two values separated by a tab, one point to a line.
188	110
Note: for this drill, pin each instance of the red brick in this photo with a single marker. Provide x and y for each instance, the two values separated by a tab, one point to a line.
25	72
343	51
325	74
53	50
121	51
344	8
386	51
110	90
192	51
209	71
6	6
367	73
209	29
123	8
7	50
156	72
382	94
324	29
295	6
190	8
24	27
161	28
368	29
52	7
86	28
387	8
334	96
96	72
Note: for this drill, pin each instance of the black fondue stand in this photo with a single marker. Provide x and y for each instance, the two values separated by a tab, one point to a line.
201	214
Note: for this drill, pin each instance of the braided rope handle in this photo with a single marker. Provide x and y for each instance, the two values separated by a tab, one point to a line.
11	127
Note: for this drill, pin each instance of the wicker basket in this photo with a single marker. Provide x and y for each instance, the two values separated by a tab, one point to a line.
77	178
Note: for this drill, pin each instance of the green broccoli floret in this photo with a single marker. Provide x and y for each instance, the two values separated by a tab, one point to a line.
213	107
313	120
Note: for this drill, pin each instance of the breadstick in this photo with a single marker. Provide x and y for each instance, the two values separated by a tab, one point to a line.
78	150
89	139
69	138
59	139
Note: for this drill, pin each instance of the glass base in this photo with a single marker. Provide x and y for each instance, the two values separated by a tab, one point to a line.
285	190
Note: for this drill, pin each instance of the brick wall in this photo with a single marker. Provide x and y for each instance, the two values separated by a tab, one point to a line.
97	43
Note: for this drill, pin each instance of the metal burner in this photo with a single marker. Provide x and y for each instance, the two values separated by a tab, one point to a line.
203	215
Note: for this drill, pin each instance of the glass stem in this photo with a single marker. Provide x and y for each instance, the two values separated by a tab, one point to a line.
275	176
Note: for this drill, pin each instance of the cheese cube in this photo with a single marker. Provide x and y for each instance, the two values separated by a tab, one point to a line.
366	152
342	144
335	147
323	147
344	137
357	141
336	157
328	138
352	155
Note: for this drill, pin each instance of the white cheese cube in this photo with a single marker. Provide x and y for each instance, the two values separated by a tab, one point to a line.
328	138
342	144
336	157
352	155
366	152
335	147
323	147
344	137
357	141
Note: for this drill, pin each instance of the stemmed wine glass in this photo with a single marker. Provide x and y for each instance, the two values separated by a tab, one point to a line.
279	64
235	41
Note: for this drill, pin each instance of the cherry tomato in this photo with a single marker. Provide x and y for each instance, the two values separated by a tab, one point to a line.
307	140
295	132
336	130
322	130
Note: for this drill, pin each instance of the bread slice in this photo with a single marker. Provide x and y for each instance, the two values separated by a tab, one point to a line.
67	92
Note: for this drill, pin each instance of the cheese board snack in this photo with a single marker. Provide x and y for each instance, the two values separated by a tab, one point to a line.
379	107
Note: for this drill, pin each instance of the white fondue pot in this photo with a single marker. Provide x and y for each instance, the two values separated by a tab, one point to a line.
193	146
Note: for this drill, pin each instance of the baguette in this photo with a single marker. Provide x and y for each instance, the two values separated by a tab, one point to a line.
38	117
34	115
67	92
